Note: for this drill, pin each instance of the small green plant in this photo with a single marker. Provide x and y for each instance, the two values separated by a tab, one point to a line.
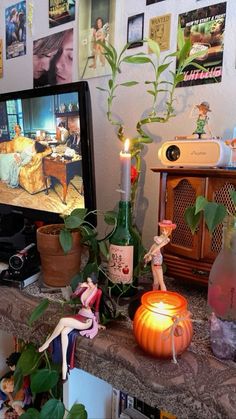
44	378
212	212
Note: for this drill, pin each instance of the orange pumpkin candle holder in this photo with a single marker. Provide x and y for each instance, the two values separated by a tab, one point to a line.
162	324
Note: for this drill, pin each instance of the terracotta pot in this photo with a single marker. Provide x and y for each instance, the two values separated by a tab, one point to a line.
58	268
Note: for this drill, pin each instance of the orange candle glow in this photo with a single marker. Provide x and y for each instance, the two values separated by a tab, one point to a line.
162	326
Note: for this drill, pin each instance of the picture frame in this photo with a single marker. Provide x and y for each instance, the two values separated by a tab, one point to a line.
135	30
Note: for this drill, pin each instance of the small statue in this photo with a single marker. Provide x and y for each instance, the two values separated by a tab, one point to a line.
202	120
154	254
86	321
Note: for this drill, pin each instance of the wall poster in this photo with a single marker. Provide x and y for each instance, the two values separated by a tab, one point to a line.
96	23
15	20
1	61
159	31
61	11
53	59
205	28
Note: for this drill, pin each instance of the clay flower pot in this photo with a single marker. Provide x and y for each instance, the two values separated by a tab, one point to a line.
58	268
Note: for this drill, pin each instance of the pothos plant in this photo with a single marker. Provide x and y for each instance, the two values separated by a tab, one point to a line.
213	213
162	82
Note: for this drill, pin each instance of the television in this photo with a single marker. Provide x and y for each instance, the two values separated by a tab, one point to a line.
58	178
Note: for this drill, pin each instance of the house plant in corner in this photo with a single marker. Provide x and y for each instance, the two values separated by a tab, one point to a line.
221	286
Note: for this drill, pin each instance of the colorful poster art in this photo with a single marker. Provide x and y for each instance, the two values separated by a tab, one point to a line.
15	20
152	1
1	61
53	59
205	28
159	31
96	23
61	11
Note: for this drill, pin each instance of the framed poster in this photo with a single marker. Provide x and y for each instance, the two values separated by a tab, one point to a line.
135	30
159	31
15	20
152	1
1	61
61	11
96	23
205	28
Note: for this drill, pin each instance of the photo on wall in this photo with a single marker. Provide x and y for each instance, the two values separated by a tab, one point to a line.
61	11
53	59
15	21
148	2
205	28
1	61
96	23
159	31
135	30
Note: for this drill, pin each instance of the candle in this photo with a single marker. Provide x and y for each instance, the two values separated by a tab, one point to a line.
125	161
162	326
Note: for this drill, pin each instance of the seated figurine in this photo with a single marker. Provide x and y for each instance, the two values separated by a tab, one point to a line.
86	321
154	254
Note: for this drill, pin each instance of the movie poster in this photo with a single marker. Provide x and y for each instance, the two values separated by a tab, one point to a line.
1	61
205	28
61	11
15	19
159	31
53	58
96	23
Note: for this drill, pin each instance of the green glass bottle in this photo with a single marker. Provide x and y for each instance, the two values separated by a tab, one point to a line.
123	253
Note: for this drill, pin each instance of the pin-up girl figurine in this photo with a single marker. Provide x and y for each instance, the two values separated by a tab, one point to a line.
154	254
86	321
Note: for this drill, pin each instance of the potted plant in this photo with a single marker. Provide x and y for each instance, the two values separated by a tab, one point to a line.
60	246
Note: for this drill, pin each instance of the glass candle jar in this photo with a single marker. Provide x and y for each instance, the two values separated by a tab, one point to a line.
162	324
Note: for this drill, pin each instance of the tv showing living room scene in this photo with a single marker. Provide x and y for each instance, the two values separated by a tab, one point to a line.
46	149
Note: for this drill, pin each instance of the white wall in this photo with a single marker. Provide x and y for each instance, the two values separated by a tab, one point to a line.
130	104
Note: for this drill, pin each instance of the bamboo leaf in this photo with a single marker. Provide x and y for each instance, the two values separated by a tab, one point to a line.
154	47
129	83
134	59
102	90
162	68
184	52
180	38
151	92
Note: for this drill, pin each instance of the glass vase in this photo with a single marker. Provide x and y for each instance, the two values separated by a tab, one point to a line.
222	279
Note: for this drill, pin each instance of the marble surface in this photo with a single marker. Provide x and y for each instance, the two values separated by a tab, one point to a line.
199	386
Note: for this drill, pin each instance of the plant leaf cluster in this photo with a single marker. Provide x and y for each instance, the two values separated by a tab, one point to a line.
213	212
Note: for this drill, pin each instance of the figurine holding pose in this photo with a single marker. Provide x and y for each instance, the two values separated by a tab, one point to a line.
86	321
154	254
202	120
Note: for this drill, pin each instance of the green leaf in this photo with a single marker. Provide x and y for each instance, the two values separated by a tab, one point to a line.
151	92
18	378
110	83
43	380
192	219
103	90
233	196
104	249
28	361
39	310
199	67
53	409
162	68
129	83
201	203
89	268
214	214
184	51
75	280
154	47
180	38
134	59
77	412
76	218
110	217
65	239
31	413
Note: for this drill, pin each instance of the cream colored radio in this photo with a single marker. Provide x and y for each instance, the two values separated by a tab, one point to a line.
195	153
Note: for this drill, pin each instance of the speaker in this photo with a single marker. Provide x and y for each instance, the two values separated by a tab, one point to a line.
195	153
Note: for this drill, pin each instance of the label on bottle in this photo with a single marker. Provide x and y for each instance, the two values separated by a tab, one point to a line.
121	264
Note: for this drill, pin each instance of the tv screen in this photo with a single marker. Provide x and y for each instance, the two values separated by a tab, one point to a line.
46	151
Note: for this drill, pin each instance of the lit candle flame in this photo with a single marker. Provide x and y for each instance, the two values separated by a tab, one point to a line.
126	145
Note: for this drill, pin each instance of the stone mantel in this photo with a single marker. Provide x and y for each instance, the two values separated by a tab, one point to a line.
199	386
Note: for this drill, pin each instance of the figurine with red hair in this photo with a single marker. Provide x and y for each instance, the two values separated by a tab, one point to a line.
154	254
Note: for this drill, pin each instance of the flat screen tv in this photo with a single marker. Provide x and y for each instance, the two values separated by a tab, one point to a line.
59	176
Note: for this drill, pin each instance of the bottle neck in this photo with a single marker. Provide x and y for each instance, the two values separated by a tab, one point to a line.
124	214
